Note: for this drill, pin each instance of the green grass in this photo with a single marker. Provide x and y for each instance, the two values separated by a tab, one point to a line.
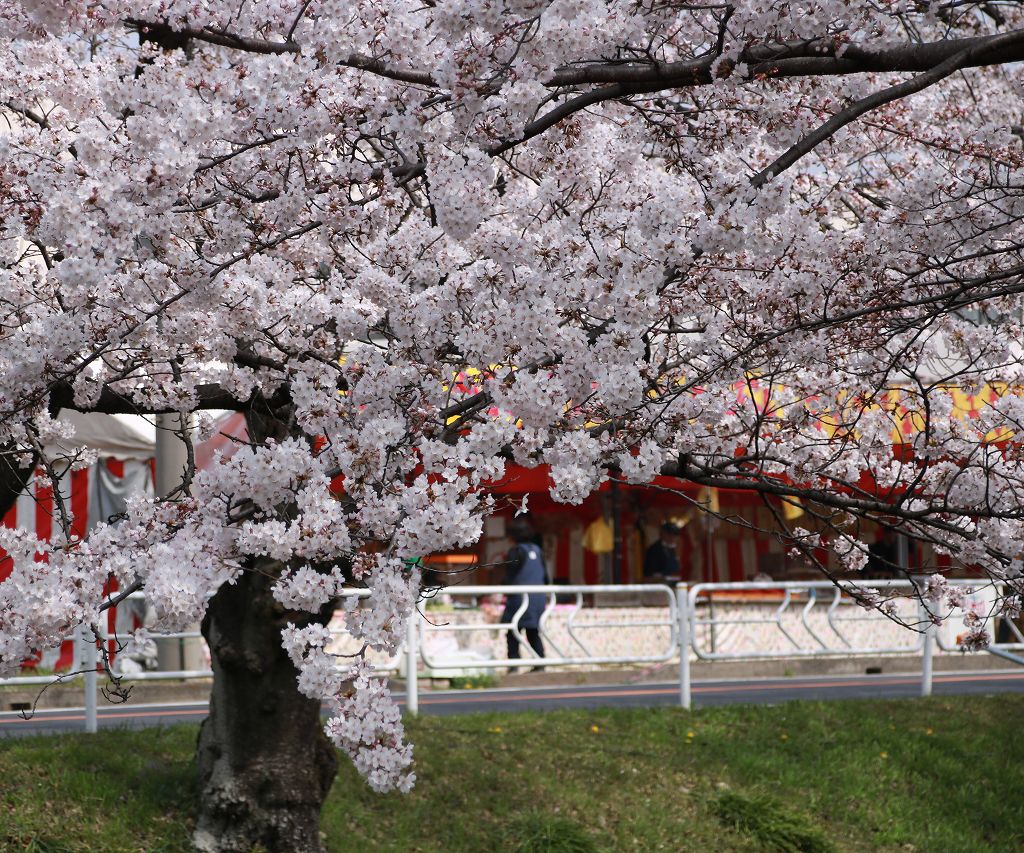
773	825
473	682
942	775
536	832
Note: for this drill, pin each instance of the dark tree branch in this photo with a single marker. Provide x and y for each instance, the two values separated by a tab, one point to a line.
817	57
893	93
553	117
28	114
861	504
382	69
115	600
159	32
62	396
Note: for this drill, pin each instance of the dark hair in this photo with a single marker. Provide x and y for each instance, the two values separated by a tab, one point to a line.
520	530
670	527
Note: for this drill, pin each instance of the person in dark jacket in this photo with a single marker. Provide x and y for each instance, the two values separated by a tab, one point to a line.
882	563
525	566
662	558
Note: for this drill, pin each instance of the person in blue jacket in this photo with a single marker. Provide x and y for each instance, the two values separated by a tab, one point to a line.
525	566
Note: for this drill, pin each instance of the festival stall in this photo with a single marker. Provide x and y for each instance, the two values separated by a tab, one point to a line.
727	535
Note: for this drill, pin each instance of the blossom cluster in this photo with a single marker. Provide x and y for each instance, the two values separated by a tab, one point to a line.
364	720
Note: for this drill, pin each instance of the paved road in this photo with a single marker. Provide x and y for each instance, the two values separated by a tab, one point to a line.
448	702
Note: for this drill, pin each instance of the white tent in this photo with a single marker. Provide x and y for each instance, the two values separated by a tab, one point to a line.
112	436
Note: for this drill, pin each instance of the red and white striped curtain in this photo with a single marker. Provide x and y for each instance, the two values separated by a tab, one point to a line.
90	495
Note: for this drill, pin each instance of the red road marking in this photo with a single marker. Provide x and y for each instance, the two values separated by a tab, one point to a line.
592	694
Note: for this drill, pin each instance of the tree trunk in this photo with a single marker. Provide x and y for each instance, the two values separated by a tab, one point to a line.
265	765
13	478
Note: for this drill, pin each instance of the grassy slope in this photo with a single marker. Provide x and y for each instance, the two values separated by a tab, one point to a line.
939	775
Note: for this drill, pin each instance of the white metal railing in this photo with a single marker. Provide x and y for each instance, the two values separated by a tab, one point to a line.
576	651
983	600
85	662
815	642
813	618
86	665
806	595
163	675
798	601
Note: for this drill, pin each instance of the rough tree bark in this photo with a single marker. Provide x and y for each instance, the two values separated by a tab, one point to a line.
265	764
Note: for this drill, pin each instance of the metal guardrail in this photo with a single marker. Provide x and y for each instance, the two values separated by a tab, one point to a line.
983	597
575	655
800	601
86	666
681	614
806	595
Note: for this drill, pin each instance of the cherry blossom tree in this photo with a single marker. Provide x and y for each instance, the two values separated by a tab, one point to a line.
620	212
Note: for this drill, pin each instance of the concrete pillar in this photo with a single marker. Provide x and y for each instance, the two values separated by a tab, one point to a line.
171	460
903	552
171	454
